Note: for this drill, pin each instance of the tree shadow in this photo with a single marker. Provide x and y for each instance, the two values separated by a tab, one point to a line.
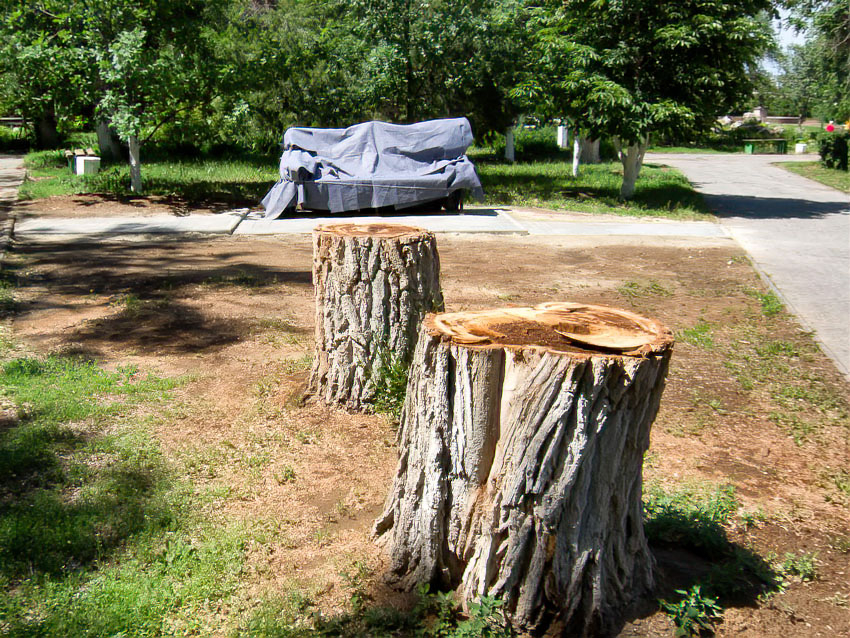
693	548
68	497
142	268
160	325
775	207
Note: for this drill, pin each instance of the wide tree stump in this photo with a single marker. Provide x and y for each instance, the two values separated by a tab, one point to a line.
521	448
374	284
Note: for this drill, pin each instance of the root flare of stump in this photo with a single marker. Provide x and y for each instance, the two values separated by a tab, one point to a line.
521	448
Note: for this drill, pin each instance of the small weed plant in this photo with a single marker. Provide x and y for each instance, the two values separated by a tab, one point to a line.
694	614
390	379
802	566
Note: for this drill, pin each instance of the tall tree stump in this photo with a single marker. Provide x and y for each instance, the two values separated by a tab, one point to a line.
521	447
374	284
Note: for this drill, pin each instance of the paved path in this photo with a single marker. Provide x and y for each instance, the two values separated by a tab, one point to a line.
11	176
797	232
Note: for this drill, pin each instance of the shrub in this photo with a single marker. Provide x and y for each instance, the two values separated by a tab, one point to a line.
833	150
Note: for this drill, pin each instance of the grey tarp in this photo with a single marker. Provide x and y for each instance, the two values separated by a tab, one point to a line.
372	165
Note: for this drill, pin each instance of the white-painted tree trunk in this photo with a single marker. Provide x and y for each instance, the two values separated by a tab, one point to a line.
374	283
510	154
135	165
576	153
521	446
632	160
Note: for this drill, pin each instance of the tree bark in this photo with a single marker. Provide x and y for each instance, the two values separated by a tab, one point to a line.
590	151
46	130
374	284
135	165
520	462
632	160
576	154
108	142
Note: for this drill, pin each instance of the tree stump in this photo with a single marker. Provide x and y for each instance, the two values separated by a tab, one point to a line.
521	447
374	284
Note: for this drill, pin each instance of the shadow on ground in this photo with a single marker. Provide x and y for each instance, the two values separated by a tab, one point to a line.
774	207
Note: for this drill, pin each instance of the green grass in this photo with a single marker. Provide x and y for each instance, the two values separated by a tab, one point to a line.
244	179
691	515
660	191
814	171
700	335
97	535
738	148
632	290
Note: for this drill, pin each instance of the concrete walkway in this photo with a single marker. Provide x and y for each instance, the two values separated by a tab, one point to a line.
11	176
796	231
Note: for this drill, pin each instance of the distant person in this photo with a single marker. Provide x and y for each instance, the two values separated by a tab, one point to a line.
830	127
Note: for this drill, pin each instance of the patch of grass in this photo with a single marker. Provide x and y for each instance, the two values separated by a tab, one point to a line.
771	305
815	171
238	179
660	190
800	430
97	536
691	515
840	544
634	289
700	335
694	613
285	475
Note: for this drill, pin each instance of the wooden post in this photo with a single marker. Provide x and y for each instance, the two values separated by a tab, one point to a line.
374	284
521	448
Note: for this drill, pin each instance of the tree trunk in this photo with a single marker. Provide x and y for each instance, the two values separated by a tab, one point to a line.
521	447
46	131
108	142
135	165
374	284
510	153
632	160
590	151
576	154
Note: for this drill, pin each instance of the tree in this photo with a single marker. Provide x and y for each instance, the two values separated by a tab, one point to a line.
45	75
429	58
626	68
821	66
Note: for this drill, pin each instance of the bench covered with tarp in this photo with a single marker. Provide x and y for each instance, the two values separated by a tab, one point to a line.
374	165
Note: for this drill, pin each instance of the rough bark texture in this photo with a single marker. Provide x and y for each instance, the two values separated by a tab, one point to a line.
520	466
632	160
135	165
374	284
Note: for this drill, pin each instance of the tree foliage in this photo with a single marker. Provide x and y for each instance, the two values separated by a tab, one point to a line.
625	68
816	74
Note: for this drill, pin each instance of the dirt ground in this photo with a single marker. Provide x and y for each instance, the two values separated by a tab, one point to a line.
236	315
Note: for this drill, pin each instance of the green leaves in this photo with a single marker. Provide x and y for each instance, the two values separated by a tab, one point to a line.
694	613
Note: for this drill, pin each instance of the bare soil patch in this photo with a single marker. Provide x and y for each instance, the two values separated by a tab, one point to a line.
237	316
94	205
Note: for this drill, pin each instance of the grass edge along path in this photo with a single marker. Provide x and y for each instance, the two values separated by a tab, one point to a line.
661	190
832	177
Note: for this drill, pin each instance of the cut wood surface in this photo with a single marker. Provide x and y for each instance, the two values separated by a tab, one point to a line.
520	453
374	284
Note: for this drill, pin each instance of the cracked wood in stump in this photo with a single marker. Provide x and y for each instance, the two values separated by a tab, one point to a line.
520	455
374	283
